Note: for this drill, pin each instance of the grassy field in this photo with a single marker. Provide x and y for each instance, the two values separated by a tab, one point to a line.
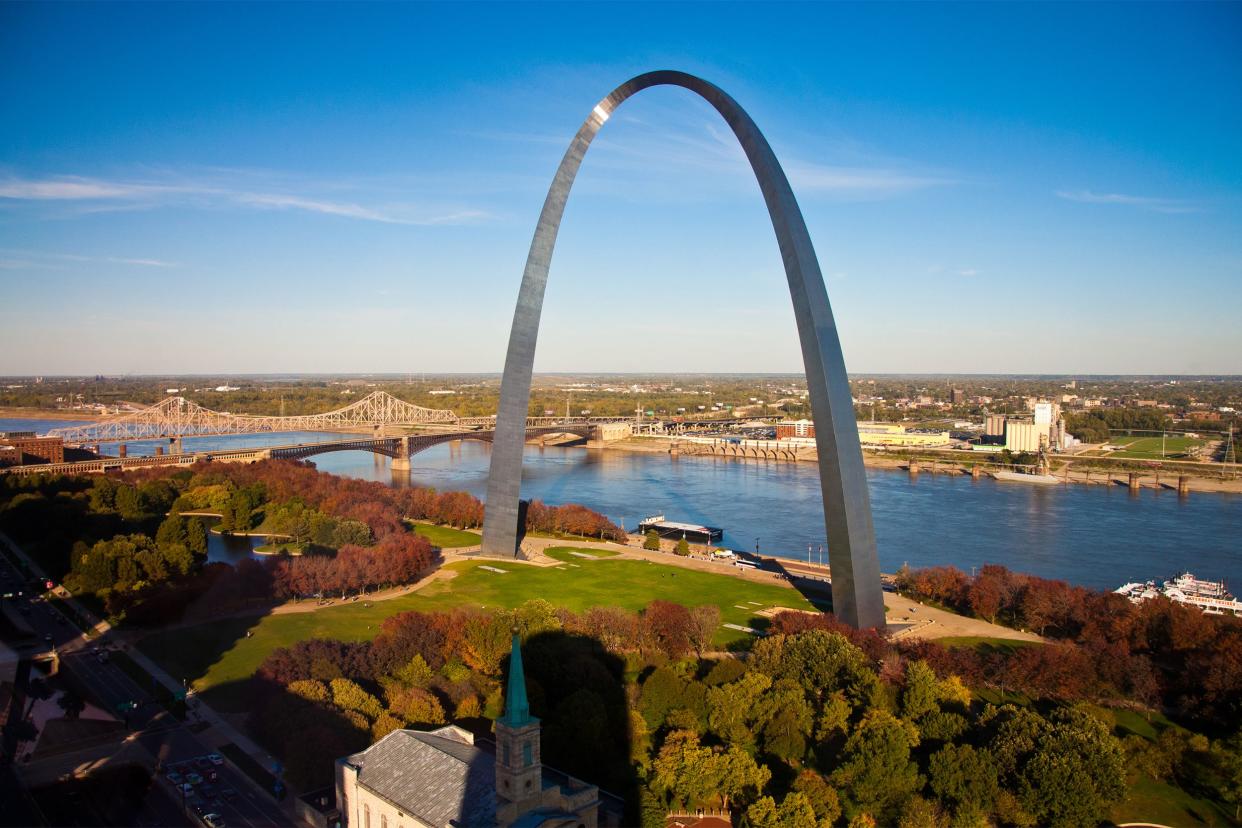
218	656
1148	448
446	537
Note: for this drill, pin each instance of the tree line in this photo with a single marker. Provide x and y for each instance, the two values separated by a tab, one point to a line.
818	725
1156	653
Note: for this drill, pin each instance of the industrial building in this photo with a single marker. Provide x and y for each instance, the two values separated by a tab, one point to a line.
23	448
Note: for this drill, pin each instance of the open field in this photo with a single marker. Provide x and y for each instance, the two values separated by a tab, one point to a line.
1149	448
217	656
446	537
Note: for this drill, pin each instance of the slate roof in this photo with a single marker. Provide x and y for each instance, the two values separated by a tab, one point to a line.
440	776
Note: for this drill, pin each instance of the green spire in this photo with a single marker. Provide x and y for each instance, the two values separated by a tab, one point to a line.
517	708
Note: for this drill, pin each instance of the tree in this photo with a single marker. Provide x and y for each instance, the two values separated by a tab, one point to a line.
876	773
704	621
347	695
652	541
963	776
732	707
921	694
685	771
795	812
820	661
822	796
668	626
762	813
739	775
683	547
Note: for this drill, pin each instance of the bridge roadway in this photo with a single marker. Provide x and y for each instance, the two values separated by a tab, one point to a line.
398	448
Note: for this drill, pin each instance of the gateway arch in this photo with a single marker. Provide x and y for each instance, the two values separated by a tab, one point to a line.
856	593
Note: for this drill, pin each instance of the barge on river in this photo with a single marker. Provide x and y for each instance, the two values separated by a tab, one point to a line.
676	531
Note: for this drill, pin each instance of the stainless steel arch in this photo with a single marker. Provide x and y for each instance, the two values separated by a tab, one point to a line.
857	597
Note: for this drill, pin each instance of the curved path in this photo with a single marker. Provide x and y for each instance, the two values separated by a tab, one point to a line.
847	508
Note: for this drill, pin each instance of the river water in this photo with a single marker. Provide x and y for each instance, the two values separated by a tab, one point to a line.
1097	536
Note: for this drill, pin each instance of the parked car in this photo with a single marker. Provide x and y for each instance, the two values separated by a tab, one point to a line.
213	821
175	778
194	779
215	758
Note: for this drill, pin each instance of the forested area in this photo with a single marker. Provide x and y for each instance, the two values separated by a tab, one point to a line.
818	725
136	544
1157	653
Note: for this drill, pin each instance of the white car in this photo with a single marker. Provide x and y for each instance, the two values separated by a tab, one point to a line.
213	820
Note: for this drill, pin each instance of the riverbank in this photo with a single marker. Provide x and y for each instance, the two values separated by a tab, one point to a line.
1165	480
49	414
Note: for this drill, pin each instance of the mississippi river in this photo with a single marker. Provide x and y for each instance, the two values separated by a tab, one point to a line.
1098	536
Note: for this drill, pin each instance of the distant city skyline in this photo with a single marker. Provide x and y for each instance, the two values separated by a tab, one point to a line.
275	189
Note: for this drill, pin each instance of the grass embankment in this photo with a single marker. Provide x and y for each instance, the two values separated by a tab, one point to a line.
983	642
218	657
446	537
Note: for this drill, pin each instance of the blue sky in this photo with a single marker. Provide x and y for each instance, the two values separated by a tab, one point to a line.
1049	188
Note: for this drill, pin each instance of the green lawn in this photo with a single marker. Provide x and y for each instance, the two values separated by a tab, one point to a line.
1148	448
567	554
446	537
218	656
1150	800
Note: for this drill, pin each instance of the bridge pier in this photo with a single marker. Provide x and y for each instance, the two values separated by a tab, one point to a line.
402	461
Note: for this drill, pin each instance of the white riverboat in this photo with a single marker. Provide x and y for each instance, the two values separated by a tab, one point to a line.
1210	596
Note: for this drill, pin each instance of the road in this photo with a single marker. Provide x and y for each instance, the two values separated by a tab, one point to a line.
167	739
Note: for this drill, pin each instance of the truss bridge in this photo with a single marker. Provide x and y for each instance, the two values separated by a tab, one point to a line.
178	417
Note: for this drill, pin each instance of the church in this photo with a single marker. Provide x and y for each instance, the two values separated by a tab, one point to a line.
440	778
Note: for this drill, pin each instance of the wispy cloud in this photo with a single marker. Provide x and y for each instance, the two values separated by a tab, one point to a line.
859	180
1159	205
143	262
42	260
94	195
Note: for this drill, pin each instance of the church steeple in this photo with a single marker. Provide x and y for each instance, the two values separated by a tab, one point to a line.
517	708
519	772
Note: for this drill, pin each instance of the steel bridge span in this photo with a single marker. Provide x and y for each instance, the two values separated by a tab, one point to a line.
400	449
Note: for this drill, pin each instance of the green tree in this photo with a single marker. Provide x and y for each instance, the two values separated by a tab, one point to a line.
309	689
740	777
414	673
917	812
822	796
347	695
683	548
652	541
961	776
821	662
785	720
684	771
795	812
921	694
876	774
762	813
732	707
